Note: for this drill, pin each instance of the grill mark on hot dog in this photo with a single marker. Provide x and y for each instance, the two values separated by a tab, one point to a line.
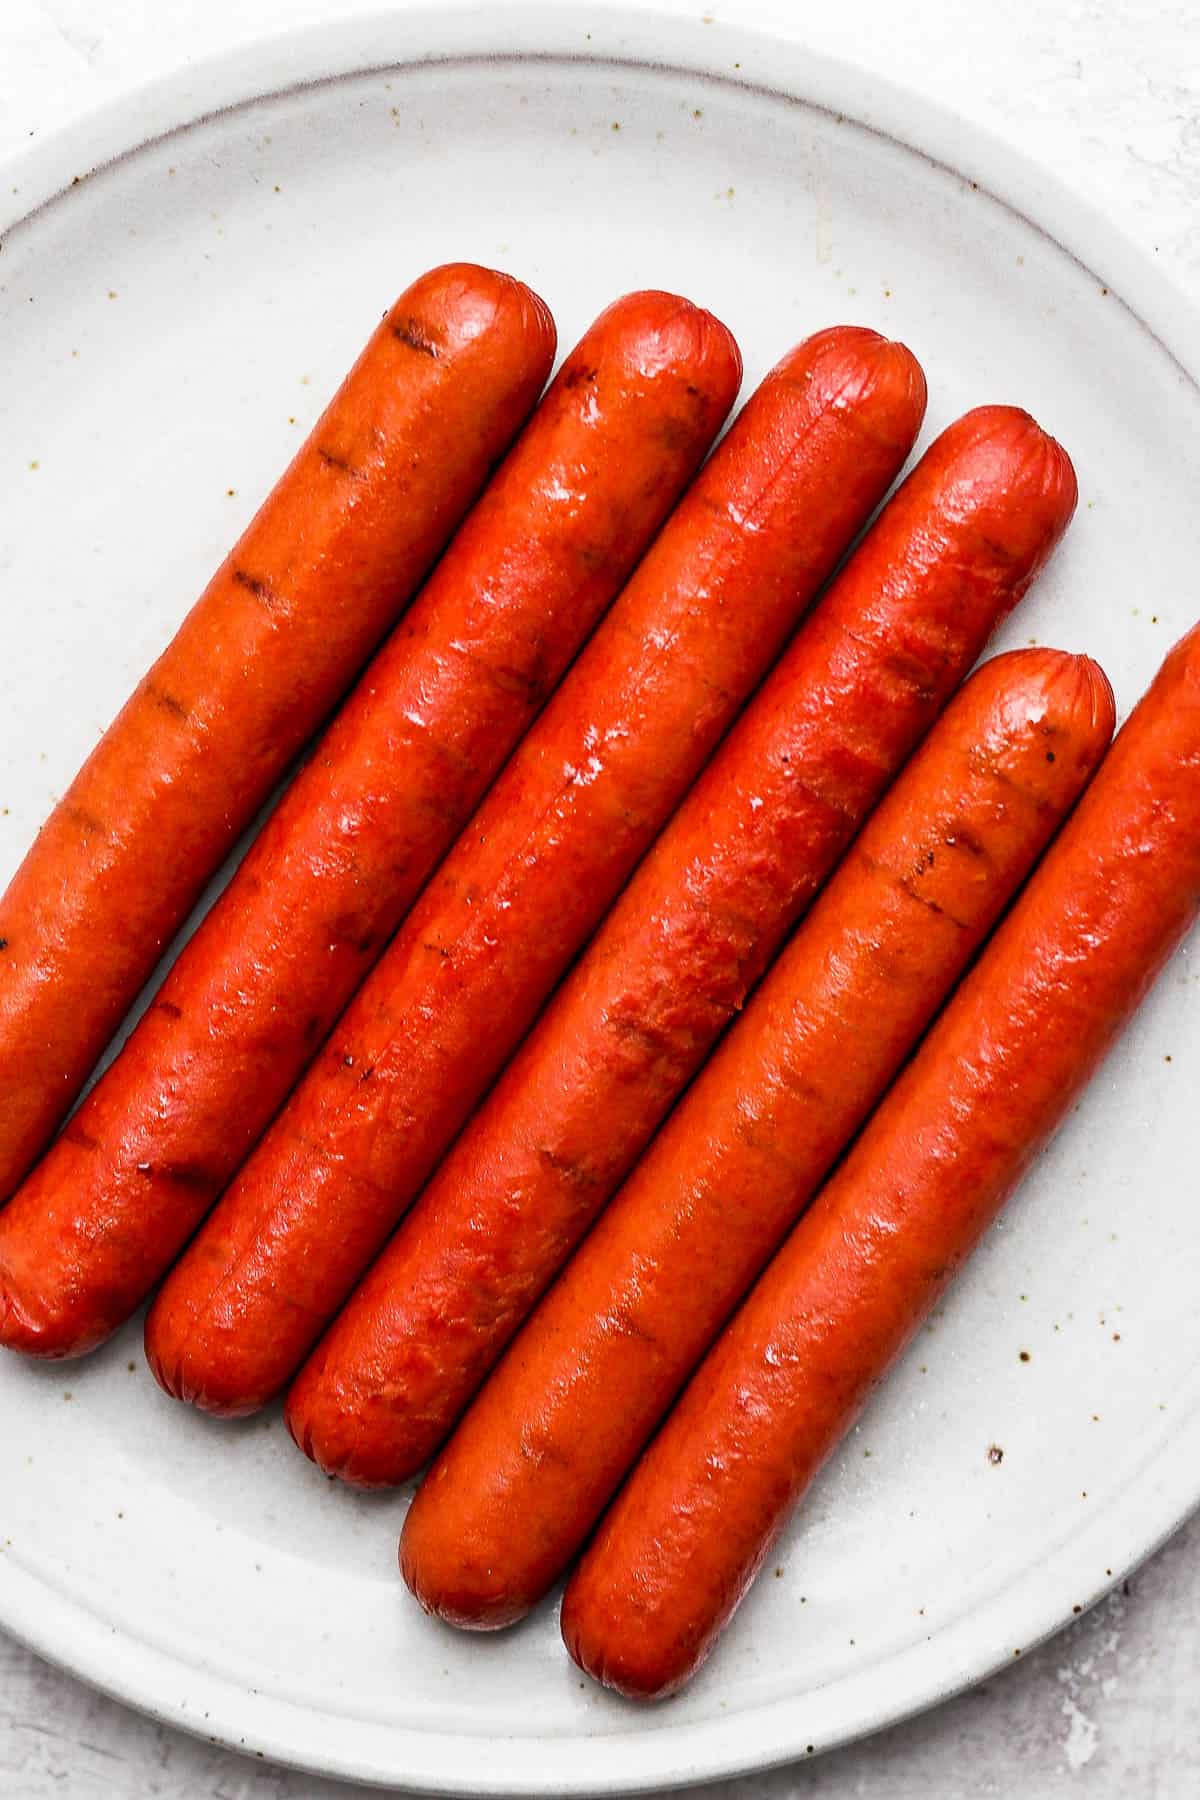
410	332
580	1174
540	1450
627	1322
257	585
908	884
965	839
167	701
833	803
900	664
533	684
333	460
643	1033
85	819
194	1177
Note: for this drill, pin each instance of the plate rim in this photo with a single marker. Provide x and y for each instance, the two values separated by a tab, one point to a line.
755	53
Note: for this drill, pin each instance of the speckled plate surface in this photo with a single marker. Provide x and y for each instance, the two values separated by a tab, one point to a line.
171	325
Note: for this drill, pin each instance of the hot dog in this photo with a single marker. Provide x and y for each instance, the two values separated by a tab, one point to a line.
256	990
742	1154
996	1075
695	927
322	571
704	616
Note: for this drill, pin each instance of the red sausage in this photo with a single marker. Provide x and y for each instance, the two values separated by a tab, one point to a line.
703	617
694	929
322	571
259	986
861	1271
742	1154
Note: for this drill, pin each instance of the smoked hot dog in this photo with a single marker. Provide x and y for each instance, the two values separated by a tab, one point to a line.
694	929
993	1079
744	1151
620	432
702	619
323	570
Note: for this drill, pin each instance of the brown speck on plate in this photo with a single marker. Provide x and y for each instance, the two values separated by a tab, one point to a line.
995	1454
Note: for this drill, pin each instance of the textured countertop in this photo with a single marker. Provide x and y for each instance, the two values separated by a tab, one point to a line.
1108	92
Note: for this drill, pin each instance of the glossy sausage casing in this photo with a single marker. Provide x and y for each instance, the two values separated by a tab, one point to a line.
321	572
744	1151
701	917
702	618
996	1075
349	847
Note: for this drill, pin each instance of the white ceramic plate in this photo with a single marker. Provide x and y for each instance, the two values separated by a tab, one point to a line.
171	326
